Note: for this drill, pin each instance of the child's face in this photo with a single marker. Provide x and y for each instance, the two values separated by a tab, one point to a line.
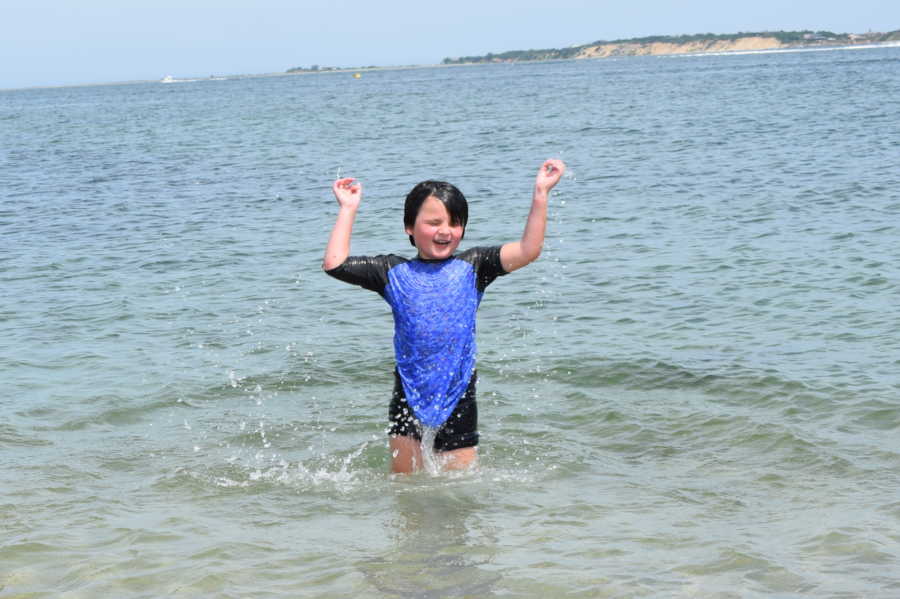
435	237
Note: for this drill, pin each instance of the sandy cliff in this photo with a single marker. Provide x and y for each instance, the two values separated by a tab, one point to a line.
658	48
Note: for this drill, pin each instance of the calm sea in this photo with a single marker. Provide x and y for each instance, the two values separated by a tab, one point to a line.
695	392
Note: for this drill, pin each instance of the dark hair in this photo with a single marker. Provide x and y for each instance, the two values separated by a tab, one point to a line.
448	194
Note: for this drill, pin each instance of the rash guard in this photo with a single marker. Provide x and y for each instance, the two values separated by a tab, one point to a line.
434	304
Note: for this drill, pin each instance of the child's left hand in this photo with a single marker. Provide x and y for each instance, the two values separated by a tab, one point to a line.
549	175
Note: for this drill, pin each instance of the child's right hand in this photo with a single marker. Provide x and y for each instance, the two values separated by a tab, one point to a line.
348	192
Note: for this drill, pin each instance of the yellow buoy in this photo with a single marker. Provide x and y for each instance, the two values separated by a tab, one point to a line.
357	75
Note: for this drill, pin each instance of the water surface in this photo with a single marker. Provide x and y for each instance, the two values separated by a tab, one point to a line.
692	393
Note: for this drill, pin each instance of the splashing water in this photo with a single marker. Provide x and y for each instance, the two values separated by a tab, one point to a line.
341	472
431	462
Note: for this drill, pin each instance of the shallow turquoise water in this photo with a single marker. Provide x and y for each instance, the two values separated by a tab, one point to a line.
692	393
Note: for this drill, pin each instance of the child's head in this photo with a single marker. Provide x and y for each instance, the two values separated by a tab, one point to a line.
455	210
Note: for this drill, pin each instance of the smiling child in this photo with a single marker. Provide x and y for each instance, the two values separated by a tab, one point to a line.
434	298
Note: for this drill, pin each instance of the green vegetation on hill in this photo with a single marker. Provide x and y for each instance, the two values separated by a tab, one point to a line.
785	37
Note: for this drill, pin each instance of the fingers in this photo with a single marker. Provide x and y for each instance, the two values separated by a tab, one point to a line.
549	174
346	183
553	167
346	189
348	192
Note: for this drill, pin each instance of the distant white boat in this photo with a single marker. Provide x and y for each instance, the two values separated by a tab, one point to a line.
167	79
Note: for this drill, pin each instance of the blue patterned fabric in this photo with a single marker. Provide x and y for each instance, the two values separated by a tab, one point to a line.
434	305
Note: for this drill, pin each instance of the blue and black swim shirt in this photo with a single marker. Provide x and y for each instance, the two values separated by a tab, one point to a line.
434	304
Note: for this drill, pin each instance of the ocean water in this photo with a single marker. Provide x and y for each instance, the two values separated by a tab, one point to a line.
695	392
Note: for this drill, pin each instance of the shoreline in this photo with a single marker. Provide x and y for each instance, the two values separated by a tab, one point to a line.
658	52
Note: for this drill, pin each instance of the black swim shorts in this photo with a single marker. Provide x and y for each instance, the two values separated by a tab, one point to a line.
460	429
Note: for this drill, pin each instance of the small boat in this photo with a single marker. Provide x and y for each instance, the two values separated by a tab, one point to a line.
167	79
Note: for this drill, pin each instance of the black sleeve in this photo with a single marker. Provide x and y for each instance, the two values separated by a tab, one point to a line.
486	261
369	272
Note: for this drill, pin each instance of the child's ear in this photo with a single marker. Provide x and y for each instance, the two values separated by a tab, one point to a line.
409	230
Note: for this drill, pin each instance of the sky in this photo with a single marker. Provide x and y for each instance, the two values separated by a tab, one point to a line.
66	42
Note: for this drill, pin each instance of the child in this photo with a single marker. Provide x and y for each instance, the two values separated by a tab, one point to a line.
434	298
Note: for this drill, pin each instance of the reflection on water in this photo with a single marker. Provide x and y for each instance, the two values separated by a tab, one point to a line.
441	546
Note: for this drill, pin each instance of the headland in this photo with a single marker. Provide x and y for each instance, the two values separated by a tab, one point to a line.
701	43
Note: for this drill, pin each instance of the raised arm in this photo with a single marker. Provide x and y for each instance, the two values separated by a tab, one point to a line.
517	254
348	193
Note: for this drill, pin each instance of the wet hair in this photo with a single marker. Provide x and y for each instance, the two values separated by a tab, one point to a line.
451	197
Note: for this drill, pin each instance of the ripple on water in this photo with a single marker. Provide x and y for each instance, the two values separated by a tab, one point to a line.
692	393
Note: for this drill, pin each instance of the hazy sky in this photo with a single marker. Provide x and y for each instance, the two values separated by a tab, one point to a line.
55	42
